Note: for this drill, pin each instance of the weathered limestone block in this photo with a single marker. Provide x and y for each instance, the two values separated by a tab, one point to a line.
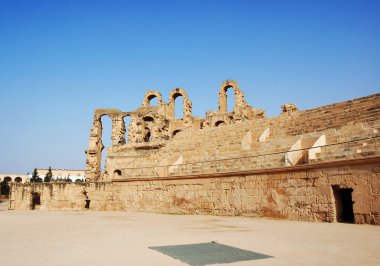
187	111
135	130
118	130
160	127
288	108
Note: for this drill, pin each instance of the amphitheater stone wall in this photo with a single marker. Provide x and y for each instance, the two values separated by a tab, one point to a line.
304	194
321	164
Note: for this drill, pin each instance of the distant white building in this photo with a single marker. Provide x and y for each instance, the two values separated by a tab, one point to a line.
57	174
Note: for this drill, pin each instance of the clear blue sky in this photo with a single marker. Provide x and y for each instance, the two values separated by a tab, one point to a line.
60	60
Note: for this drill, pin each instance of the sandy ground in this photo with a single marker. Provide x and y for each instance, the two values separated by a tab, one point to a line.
120	238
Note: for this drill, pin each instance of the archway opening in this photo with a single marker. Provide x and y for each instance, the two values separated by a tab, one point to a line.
175	132
87	204
18	179
127	121
153	100
220	123
147	136
178	106
230	98
148	120
116	174
4	185
106	122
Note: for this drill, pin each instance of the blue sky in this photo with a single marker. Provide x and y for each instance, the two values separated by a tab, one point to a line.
60	60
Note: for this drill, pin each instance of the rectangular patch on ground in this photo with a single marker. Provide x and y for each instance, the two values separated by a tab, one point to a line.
209	253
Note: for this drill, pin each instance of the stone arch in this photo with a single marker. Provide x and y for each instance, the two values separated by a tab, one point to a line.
94	152
220	123
116	173
239	96
118	127
149	95
148	117
175	132
187	105
18	179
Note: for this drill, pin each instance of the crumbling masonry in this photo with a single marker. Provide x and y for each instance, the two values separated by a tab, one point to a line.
315	165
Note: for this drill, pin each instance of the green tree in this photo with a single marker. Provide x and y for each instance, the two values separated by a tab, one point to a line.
48	176
35	177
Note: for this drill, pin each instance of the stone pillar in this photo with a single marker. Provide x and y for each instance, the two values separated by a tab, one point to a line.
187	111
222	100
135	130
118	130
171	109
94	152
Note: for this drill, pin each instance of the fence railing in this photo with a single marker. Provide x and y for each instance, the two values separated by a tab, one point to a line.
359	148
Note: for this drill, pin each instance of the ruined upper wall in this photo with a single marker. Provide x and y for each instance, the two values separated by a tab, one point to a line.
241	110
152	126
365	109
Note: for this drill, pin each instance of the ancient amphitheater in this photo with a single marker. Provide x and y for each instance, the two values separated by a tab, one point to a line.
313	165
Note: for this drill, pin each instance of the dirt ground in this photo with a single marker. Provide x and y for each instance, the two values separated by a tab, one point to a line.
121	238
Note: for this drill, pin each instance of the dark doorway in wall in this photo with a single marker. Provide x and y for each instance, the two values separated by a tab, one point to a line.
36	200
87	205
147	137
149	123
343	204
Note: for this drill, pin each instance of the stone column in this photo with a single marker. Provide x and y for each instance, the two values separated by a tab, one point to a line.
118	130
94	152
187	110
222	100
